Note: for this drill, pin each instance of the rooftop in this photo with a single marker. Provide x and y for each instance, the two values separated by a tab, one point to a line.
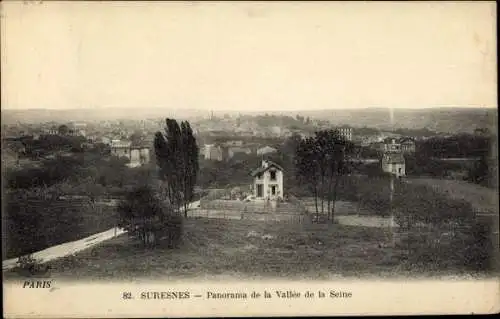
265	166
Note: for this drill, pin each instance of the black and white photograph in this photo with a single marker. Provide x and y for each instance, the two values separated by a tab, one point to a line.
246	142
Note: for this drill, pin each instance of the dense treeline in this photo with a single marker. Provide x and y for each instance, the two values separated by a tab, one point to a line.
424	132
79	170
427	160
47	144
460	145
37	220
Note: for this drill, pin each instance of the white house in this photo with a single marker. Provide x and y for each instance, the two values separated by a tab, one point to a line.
213	152
121	148
268	181
136	154
391	144
345	132
394	163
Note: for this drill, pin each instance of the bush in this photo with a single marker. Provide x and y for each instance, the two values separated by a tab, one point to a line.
29	266
467	248
478	247
372	192
144	216
441	232
414	204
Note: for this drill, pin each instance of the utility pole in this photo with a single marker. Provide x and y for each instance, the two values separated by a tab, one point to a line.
392	210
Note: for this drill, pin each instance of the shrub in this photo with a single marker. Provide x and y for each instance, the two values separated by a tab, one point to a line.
414	204
477	247
29	266
467	248
372	192
441	232
144	216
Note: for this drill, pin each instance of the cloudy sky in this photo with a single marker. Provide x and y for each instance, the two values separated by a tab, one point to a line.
259	56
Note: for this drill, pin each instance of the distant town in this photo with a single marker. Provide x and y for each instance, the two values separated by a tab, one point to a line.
220	138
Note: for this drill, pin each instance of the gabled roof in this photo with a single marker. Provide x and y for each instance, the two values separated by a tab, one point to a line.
388	140
406	140
262	169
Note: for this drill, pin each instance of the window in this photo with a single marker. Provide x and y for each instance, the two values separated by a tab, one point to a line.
273	175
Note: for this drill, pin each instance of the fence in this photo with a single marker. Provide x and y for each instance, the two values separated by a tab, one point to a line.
262	207
219	193
223	215
293	200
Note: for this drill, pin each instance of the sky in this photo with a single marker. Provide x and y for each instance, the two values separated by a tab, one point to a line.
248	56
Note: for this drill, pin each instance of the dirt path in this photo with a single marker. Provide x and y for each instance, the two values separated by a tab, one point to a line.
66	249
365	221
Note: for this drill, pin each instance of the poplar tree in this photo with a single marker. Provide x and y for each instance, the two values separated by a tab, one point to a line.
177	159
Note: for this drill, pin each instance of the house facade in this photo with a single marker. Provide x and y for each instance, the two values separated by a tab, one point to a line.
121	148
213	152
268	181
136	154
392	145
345	132
139	156
394	163
407	145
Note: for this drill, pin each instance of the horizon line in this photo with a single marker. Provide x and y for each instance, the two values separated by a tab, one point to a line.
251	111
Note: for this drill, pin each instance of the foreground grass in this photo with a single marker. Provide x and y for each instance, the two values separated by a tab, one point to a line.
243	249
481	198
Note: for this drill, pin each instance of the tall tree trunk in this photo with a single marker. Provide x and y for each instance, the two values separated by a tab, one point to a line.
316	199
322	191
330	179
334	196
329	198
144	232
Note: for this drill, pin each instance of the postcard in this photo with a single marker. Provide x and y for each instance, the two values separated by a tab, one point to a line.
220	159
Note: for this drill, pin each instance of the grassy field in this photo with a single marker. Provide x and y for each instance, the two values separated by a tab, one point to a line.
246	249
481	198
33	225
